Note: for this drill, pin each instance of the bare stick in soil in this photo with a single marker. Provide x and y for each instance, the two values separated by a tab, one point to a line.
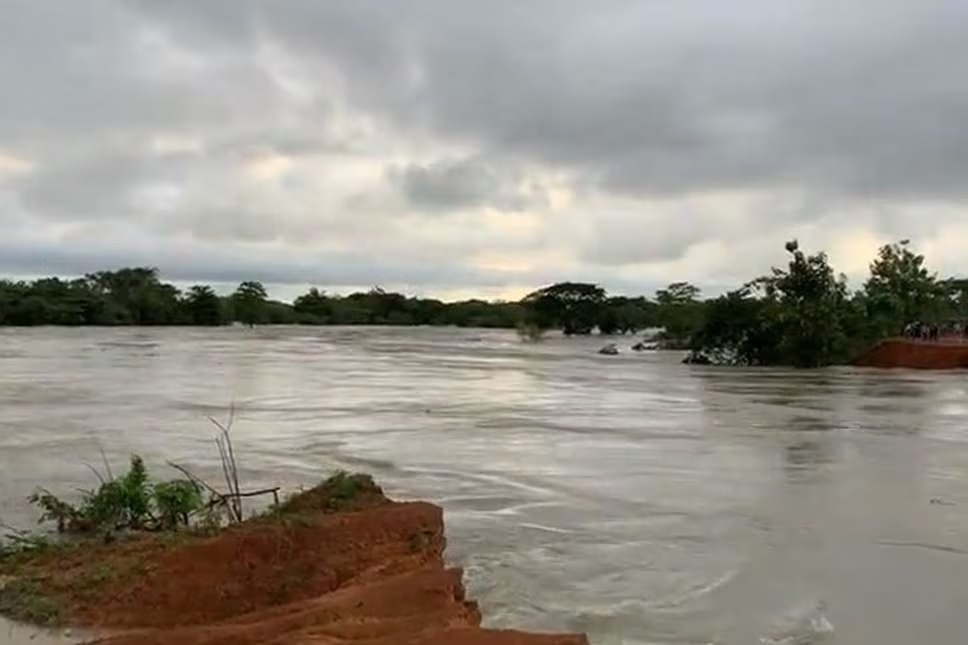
195	478
228	479
229	466
235	473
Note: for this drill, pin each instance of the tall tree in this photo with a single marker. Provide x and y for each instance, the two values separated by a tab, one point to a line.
802	317
249	301
202	306
739	328
900	289
680	311
811	305
678	293
575	307
137	295
314	306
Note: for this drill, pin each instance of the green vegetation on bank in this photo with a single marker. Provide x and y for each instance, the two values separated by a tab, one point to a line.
803	314
130	502
137	296
114	536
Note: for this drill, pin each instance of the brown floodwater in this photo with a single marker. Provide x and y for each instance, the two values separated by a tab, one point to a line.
629	496
13	634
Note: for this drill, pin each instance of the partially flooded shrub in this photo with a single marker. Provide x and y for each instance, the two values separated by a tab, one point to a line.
55	510
129	502
344	486
176	501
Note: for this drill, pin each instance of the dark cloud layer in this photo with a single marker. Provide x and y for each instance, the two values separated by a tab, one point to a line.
653	95
449	184
244	122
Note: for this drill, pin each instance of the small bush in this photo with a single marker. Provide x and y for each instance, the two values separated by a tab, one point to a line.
175	501
136	493
130	502
55	510
120	503
340	492
343	486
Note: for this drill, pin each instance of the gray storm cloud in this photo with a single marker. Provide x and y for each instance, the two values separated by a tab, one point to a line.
242	122
449	184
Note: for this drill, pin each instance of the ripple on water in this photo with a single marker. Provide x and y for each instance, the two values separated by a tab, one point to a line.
637	498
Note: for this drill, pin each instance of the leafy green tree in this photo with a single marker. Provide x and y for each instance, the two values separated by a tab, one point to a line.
478	313
49	301
900	290
175	501
10	295
202	306
429	311
314	306
803	317
679	311
575	307
622	315
742	327
137	295
811	303
678	293
382	307
249	301
280	313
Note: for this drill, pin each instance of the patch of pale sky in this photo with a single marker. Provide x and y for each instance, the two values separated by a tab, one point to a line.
12	165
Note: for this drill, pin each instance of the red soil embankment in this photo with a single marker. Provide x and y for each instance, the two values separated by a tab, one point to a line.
311	576
924	355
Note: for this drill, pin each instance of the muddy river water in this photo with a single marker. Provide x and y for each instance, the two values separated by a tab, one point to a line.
629	496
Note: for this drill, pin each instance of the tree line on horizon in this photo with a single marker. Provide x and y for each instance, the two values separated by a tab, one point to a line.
802	315
137	296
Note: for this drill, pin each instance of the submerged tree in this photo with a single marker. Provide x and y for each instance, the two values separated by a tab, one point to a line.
575	307
202	306
801	317
314	306
812	303
680	311
741	328
249	301
900	290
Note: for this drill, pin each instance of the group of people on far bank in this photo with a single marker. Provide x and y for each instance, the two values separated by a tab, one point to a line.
944	331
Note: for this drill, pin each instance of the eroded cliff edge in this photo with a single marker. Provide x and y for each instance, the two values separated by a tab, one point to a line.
367	572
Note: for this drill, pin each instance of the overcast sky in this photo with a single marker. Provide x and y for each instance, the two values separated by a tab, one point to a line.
479	148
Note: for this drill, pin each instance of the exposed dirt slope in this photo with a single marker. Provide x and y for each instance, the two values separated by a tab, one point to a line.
328	569
915	355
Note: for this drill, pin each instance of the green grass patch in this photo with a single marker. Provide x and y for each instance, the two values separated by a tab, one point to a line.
24	600
344	487
339	492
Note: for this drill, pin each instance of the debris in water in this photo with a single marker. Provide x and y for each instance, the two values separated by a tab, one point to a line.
805	625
